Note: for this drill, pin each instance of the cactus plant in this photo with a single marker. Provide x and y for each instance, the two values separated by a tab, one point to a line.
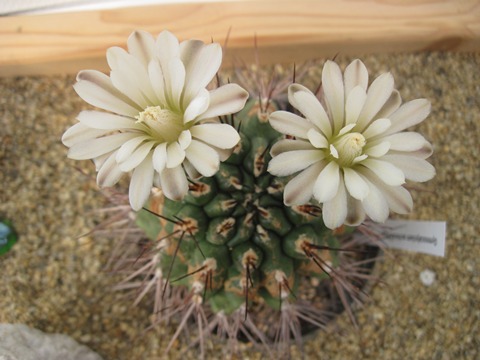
269	219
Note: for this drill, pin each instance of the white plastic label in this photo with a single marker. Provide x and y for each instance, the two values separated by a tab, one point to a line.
426	237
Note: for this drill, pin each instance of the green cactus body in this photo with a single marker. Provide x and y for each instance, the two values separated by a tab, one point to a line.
232	238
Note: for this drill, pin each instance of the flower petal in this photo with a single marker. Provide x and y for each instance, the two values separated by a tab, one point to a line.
317	139
137	156
97	90
376	128
159	158
375	204
203	158
387	172
299	190
184	139
109	173
377	149
225	100
197	106
406	141
141	184
222	136
105	121
355	75
354	105
327	183
355	212
391	105
290	124
355	184
141	44
201	65
79	133
332	83
306	102
284	145
174	183
175	155
96	147
377	95
127	148
290	162
335	210
409	114
414	168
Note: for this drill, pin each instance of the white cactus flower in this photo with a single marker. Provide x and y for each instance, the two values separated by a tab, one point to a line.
350	149
162	122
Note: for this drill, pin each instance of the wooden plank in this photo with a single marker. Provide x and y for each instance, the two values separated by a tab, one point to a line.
286	31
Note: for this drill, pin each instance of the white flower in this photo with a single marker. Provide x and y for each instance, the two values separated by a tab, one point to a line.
350	149
162	121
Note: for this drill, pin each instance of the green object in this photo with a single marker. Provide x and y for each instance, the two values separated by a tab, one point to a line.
8	236
232	234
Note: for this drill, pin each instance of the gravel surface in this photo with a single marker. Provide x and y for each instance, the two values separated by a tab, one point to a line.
54	279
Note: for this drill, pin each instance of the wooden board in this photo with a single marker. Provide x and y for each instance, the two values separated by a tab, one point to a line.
286	31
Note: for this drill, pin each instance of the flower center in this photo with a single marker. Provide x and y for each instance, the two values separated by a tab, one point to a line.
162	124
348	147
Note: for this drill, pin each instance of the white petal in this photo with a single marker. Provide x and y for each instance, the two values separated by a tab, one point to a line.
225	100
355	212
141	184
346	129
327	183
377	95
184	139
398	198
157	82
174	183
129	147
299	190
406	141
354	105
290	124
409	114
332	83
222	136
192	173
175	81
317	139
97	90
96	147
106	121
306	102
377	150
175	155
203	158
392	104
376	128
197	106
290	162
137	156
387	172
141	44
375	204
159	158
355	75
167	48
335	210
284	145
80	133
129	76
201	64
109	173
355	184
415	169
